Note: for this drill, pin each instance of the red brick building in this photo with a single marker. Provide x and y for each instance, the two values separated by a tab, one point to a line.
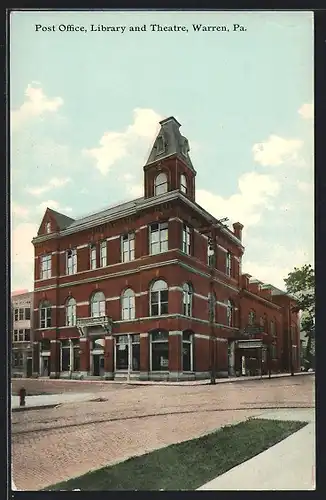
153	288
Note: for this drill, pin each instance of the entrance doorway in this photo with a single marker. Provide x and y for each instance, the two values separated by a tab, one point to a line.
29	368
98	365
46	366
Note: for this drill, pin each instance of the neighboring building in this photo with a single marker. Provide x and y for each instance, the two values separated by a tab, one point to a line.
22	333
135	289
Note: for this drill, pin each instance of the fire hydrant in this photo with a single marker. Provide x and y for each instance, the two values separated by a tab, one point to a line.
22	396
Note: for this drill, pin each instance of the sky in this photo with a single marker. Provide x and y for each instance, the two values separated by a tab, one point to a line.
85	108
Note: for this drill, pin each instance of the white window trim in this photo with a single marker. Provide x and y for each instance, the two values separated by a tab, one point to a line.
71	262
46	271
159	303
160	241
131	309
127	238
158	185
48	315
186	239
101	309
91	257
183	184
103	254
189	295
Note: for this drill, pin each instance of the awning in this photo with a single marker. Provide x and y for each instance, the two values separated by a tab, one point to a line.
249	344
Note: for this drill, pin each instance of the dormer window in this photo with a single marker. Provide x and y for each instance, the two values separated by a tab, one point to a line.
48	227
183	184
160	184
159	145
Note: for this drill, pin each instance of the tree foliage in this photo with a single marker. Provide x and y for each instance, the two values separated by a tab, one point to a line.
301	284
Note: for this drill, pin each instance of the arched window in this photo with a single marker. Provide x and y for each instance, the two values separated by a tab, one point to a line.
160	184
71	312
45	314
183	184
128	304
98	305
251	318
230	313
187	299
159	297
273	328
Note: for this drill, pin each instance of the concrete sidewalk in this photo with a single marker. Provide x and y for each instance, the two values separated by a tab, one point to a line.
50	400
288	465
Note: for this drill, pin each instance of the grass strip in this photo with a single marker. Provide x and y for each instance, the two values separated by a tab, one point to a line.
190	464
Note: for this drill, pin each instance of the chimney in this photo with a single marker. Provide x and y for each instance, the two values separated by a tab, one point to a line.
237	229
254	288
245	281
266	293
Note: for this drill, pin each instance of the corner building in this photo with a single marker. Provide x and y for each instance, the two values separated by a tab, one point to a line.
136	290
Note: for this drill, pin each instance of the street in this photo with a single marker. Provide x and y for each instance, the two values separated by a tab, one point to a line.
55	444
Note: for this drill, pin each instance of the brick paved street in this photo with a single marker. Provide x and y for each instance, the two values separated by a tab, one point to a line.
55	444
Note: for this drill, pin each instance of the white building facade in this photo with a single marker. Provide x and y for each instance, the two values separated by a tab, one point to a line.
22	334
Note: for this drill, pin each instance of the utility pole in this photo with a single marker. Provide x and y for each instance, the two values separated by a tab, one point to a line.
212	305
212	233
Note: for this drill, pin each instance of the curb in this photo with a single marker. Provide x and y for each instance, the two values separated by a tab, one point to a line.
39	407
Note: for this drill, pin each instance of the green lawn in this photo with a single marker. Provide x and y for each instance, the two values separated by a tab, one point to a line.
187	465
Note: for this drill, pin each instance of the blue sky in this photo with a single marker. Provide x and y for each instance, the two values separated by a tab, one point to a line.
85	108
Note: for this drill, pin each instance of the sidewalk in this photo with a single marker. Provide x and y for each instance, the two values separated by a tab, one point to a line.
49	400
288	465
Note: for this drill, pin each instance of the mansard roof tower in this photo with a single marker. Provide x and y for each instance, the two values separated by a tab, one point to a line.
169	166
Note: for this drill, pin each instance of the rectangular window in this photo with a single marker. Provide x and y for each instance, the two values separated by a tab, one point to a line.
186	239
27	313
228	264
128	247
16	337
45	317
21	314
92	256
103	254
71	265
21	335
158	241
46	264
27	335
16	312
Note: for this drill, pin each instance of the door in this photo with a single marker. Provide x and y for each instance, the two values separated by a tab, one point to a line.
46	366
101	365
29	371
96	365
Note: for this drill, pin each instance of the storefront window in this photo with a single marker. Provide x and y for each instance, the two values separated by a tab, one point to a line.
160	350
122	352
65	355
187	351
76	355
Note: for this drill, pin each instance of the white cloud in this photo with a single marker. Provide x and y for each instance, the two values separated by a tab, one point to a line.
305	187
19	211
255	194
22	255
136	190
55	182
276	151
276	262
36	105
116	145
54	205
307	111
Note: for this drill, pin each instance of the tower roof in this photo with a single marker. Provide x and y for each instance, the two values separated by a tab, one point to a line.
169	141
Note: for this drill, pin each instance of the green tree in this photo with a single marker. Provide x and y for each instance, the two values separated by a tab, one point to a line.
301	284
